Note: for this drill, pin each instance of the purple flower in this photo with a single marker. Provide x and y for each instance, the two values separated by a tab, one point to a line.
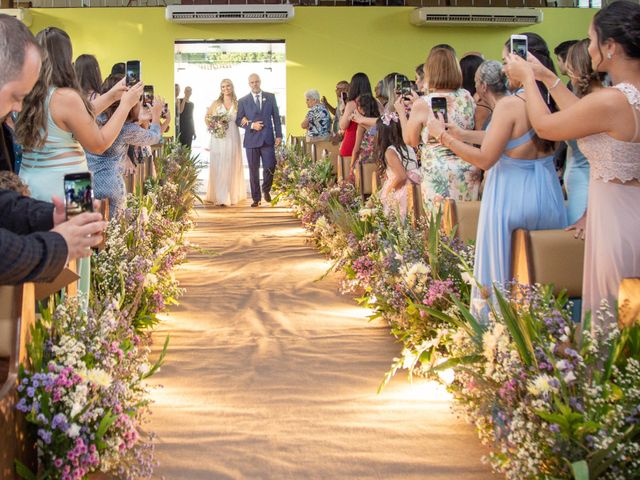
45	435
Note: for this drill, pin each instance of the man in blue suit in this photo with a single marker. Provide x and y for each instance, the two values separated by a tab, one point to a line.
258	115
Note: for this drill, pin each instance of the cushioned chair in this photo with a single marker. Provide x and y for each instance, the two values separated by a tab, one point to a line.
415	204
463	214
344	165
364	178
548	257
629	302
17	314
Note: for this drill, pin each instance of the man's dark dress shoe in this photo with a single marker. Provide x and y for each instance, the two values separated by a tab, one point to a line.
267	197
255	204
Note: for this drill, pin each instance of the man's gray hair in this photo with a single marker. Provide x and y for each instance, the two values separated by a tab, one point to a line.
15	37
313	94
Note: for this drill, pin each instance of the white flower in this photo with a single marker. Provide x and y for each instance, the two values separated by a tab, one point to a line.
75	410
569	377
99	377
144	368
540	385
74	430
365	213
466	278
562	365
150	279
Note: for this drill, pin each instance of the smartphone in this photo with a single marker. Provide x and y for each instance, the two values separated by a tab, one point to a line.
398	83
519	45
406	88
344	97
165	110
147	95
133	72
439	105
78	193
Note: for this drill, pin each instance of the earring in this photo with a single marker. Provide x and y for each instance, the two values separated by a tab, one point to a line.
609	56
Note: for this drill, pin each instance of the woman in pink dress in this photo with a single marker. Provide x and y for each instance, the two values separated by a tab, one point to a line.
607	122
397	164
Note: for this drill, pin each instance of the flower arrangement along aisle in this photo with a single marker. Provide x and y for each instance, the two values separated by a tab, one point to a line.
553	399
392	265
83	386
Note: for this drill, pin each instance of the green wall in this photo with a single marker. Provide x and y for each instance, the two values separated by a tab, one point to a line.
324	44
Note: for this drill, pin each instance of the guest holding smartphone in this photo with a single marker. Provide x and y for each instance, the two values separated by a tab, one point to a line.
444	174
521	187
57	124
108	167
359	85
607	124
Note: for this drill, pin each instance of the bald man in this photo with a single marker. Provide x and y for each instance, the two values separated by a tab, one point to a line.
258	114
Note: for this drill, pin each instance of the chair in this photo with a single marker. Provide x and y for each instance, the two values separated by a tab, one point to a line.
548	257
415	204
629	302
464	215
17	314
344	168
364	178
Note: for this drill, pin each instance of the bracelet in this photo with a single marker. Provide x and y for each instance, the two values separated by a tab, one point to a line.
555	84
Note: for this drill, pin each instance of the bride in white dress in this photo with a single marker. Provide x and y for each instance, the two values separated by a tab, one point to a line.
226	173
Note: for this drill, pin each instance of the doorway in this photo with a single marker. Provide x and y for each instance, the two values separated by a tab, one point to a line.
202	65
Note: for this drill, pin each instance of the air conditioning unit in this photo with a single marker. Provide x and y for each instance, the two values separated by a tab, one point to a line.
229	13
474	16
22	14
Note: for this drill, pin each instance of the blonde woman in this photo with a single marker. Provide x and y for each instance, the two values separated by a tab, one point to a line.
226	175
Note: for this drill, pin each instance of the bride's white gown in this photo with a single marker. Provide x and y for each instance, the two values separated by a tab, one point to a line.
226	172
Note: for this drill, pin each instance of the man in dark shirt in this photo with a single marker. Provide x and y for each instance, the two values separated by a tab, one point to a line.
187	128
36	240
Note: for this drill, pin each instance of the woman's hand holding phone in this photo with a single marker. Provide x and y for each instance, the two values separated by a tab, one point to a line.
115	93
516	68
132	96
156	108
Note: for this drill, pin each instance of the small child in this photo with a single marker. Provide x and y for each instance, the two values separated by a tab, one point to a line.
397	162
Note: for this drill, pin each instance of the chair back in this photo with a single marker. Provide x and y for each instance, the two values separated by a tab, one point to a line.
415	204
548	257
344	167
464	215
17	314
364	178
629	302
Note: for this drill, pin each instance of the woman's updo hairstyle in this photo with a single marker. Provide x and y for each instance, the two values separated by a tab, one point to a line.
490	73
620	22
579	67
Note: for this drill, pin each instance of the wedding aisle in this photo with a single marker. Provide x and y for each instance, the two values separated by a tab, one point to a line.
271	374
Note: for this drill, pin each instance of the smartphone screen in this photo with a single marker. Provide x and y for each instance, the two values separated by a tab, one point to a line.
344	97
519	45
165	110
133	72
439	106
78	193
406	88
398	83
147	96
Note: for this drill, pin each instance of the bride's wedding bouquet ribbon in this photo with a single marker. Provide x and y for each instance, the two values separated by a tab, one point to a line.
217	125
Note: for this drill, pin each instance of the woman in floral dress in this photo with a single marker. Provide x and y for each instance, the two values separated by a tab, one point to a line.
444	174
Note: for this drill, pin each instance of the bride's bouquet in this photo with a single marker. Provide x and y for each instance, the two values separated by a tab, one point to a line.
217	124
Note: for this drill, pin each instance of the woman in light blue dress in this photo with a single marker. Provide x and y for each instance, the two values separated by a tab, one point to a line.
56	125
576	175
521	189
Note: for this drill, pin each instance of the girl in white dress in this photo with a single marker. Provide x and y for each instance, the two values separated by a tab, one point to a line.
226	174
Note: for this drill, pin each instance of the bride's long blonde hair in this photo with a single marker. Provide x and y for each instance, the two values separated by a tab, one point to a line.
220	99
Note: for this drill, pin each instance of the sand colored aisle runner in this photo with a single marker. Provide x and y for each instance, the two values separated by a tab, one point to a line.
272	375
